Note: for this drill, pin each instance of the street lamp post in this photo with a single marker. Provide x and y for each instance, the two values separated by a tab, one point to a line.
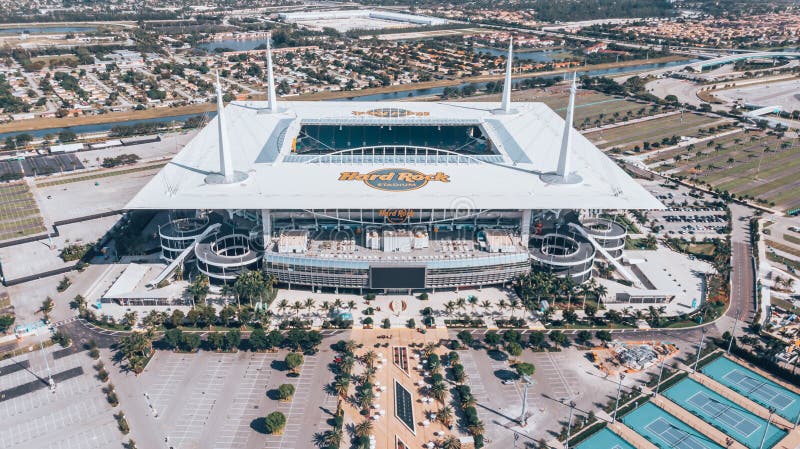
50	380
527	382
569	423
616	404
766	428
699	349
733	329
660	373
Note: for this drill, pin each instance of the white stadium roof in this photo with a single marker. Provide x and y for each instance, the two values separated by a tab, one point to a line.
527	140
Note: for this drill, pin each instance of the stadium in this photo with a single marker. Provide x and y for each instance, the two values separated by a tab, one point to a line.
390	196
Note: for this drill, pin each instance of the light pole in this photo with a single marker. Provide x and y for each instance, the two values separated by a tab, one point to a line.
569	423
766	428
616	404
733	330
526	382
699	349
50	380
660	373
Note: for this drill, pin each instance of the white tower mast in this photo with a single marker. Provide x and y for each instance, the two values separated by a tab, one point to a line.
506	105
225	163
566	139
271	97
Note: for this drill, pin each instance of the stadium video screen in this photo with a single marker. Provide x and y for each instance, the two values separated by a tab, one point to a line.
392	277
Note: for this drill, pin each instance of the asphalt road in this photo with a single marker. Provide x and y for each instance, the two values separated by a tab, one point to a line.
742	281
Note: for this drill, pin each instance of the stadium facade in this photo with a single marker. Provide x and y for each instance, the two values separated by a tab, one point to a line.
390	196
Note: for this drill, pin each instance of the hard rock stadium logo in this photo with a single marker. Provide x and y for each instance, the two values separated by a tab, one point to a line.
394	179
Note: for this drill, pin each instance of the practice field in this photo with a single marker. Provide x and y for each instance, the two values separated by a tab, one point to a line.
742	425
664	430
760	165
19	214
629	136
593	108
604	439
755	387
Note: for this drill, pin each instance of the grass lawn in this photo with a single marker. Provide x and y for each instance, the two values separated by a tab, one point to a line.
756	164
785	248
791	239
19	213
628	136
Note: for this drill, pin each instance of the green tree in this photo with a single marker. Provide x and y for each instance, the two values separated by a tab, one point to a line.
492	339
6	321
293	361
173	338
285	392
199	288
584	336
258	340
190	342
525	369
603	335
216	340
514	349
536	339
558	337
274	339
275	422
177	317
232	339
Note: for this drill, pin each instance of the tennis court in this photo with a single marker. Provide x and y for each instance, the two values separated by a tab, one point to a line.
730	418
605	439
755	387
665	430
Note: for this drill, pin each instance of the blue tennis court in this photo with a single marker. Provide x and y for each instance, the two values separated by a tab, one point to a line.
665	430
733	420
755	387
604	439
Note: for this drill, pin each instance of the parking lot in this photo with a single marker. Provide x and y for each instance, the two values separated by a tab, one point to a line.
690	213
560	377
74	416
216	400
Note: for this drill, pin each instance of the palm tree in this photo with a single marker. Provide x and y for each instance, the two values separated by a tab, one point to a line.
297	306
476	429
450	442
351	305
332	438
513	305
282	305
445	415
502	305
347	363
468	402
341	386
473	302
461	303
349	346
364	428
438	391
47	307
309	305
601	292
337	304
369	358
449	308
325	308
486	305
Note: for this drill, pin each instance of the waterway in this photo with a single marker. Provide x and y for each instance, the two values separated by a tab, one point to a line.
233	44
543	56
389	96
48	30
102	127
